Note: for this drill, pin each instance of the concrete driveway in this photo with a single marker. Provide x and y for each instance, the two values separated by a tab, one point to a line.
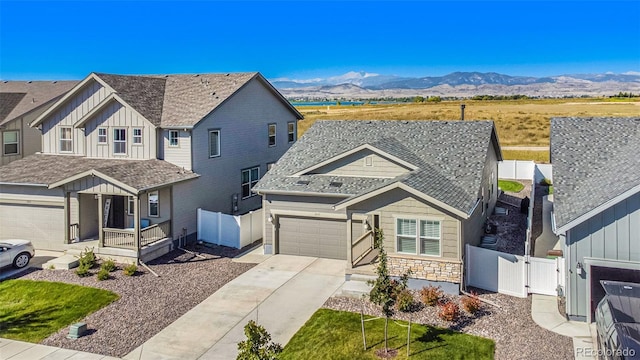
42	256
281	293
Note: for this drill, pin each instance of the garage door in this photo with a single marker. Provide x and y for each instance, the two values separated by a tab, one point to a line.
325	238
43	225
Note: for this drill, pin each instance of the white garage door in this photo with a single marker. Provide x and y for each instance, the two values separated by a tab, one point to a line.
325	238
43	225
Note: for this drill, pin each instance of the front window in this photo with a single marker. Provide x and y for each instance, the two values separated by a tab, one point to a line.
10	142
66	141
130	205
173	138
291	131
214	143
119	141
154	208
272	134
250	178
420	237
137	136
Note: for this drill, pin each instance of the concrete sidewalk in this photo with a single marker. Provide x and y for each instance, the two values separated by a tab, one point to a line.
281	293
20	350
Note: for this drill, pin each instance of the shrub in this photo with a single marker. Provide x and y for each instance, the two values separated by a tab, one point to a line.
87	258
83	271
109	265
258	345
430	295
405	301
546	182
130	270
103	274
471	304
449	311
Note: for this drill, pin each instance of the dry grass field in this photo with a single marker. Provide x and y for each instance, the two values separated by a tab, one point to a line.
519	122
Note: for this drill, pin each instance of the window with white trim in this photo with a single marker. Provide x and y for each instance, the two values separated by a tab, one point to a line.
119	141
272	134
130	205
137	136
10	142
291	131
102	135
250	178
214	143
66	139
174	138
419	237
154	204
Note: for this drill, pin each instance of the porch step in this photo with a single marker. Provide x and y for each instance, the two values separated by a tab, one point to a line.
354	289
64	262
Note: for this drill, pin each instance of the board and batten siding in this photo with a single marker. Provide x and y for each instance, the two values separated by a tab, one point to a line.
613	234
398	204
118	116
95	185
356	165
68	114
178	155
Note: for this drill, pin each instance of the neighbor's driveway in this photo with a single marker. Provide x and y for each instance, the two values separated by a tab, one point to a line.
282	293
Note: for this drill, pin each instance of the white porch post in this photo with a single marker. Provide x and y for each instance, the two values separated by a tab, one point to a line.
136	224
67	218
349	242
100	221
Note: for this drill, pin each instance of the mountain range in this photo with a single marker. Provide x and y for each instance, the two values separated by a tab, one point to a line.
458	84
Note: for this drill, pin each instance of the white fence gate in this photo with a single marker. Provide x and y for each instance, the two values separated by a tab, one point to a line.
229	230
513	275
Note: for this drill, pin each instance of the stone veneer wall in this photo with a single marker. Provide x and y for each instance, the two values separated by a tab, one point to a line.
432	270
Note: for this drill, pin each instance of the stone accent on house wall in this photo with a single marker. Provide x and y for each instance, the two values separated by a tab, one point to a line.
432	270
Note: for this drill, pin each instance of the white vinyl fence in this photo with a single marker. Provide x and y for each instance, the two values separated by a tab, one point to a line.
229	230
513	275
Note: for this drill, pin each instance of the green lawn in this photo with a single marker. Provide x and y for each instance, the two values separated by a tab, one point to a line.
336	335
33	310
510	186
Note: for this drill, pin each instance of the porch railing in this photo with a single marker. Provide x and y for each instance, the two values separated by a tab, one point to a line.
120	238
155	232
73	232
362	246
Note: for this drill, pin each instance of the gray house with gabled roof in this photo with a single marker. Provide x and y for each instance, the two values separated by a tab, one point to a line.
596	211
429	185
127	160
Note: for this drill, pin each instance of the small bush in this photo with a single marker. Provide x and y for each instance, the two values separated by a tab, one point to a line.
429	295
130	270
87	258
546	182
405	301
103	274
449	311
471	304
83	271
109	265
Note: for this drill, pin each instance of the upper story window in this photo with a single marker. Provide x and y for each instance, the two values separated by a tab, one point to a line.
119	141
66	140
154	204
174	138
10	141
250	178
137	136
291	131
214	143
420	237
272	134
102	136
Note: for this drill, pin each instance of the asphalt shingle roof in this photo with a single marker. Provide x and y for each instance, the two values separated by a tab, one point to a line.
143	93
594	160
450	156
48	169
33	95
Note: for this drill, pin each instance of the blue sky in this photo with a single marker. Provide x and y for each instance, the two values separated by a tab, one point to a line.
68	40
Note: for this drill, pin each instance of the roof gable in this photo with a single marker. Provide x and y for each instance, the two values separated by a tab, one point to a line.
595	163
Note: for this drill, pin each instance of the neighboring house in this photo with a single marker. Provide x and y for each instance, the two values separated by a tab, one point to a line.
429	185
20	103
127	160
596	175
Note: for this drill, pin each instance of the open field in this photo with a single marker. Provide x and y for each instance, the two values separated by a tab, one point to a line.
519	122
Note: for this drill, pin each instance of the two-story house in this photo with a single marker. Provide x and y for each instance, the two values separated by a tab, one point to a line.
127	160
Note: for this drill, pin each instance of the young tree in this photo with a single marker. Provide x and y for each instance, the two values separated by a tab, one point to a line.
258	345
385	290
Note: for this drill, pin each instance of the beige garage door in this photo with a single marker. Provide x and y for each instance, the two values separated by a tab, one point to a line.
43	225
325	238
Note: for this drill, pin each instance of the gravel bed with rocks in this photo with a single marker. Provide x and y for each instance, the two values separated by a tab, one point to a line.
512	228
510	326
147	303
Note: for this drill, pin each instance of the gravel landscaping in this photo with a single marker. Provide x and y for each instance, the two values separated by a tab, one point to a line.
512	228
510	326
148	303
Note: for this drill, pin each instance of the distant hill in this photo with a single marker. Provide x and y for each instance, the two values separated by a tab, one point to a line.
459	84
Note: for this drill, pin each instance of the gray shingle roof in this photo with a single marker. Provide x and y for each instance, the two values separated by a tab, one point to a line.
48	169
450	156
34	95
594	160
143	93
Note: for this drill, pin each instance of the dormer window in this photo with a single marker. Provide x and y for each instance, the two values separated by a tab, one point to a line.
66	140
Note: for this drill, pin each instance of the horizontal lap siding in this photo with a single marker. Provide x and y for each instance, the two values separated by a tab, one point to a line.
178	155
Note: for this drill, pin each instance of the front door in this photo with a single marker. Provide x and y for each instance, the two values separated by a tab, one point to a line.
117	212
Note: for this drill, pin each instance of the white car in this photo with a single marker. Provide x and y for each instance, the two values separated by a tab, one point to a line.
16	252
